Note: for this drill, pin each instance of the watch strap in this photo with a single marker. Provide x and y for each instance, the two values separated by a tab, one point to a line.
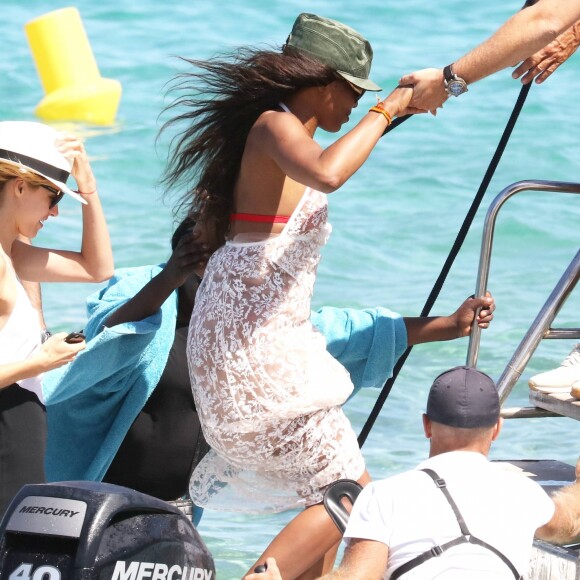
448	73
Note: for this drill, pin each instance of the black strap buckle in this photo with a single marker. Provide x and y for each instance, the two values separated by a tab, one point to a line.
440	482
436	551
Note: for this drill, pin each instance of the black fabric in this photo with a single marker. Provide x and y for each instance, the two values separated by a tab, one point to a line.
461	235
165	442
51	171
334	504
22	441
465	538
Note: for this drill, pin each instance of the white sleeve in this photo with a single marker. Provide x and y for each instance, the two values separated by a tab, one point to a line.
371	515
544	506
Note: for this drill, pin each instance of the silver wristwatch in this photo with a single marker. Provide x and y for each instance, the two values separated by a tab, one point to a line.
454	85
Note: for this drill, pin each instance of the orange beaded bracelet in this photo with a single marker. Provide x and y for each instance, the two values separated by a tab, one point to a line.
379	109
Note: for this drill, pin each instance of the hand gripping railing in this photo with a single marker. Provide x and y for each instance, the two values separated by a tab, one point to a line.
541	326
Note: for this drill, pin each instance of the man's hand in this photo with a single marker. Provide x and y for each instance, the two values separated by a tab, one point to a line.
543	63
428	89
272	572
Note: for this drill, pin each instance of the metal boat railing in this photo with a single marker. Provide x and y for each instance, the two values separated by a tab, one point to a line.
541	326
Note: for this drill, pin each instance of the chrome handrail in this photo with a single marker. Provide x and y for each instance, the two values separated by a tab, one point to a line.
542	323
535	334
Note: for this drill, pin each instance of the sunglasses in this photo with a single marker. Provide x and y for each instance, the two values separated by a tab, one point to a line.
356	90
57	195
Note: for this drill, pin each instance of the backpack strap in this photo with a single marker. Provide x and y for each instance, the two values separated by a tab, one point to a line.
442	486
465	538
434	552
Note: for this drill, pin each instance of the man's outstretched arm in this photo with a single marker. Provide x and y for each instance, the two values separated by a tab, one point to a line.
525	33
363	560
564	527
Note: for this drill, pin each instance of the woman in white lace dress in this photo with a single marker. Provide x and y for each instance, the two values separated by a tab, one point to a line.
268	394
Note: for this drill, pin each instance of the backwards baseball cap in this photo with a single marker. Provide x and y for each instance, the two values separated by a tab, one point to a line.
32	145
335	45
463	397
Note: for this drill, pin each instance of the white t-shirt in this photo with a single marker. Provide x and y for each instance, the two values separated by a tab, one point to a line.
20	336
411	515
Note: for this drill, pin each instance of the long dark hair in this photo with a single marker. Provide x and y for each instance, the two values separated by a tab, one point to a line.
222	98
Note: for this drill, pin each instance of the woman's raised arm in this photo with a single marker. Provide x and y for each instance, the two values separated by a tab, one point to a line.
94	261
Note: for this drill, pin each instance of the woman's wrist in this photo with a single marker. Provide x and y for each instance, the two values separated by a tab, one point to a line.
391	106
170	278
452	326
86	191
88	187
382	109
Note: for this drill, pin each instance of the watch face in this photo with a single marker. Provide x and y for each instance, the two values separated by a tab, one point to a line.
456	87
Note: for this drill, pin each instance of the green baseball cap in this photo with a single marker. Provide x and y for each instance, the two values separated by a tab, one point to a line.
335	45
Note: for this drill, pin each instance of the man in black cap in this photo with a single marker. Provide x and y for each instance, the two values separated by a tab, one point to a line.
456	514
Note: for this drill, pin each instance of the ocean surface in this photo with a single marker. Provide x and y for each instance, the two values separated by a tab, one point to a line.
394	221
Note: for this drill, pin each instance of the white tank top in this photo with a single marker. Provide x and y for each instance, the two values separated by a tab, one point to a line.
20	336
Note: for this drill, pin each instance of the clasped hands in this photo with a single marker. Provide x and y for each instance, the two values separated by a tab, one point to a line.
429	87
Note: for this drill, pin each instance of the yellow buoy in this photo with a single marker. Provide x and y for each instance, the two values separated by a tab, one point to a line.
74	89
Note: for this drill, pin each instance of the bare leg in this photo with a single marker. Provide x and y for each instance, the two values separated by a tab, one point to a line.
307	545
323	566
326	563
302	542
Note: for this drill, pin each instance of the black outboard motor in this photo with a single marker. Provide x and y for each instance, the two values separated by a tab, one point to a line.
98	531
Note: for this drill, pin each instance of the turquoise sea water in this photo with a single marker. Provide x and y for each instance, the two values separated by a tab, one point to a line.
394	222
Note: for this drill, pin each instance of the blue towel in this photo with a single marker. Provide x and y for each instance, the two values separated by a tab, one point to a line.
92	403
367	342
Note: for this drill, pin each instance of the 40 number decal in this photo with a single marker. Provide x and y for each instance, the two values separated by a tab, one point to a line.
24	572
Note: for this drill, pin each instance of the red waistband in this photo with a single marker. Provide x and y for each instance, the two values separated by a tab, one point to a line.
256	217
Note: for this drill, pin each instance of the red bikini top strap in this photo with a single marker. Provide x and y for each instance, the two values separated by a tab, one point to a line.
256	217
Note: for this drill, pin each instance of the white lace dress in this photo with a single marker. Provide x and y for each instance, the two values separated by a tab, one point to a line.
267	392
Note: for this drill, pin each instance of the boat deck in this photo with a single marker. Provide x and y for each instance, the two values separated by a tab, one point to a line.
549	473
559	403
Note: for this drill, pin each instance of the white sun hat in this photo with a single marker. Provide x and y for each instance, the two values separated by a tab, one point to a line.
32	145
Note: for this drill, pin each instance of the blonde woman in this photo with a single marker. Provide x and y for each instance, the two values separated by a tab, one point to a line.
35	162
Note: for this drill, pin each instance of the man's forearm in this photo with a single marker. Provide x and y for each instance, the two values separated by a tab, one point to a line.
564	527
363	560
521	36
429	329
567	503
